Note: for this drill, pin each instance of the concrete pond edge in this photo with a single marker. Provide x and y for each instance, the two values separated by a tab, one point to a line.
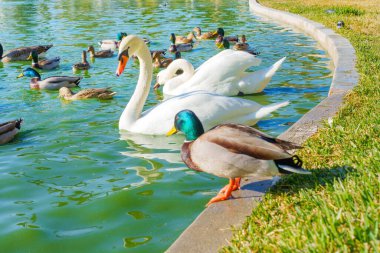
212	229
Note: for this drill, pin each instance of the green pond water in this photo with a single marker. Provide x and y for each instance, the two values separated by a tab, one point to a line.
70	181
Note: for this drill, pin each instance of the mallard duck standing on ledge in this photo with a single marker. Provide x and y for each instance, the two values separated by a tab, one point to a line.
233	151
50	83
8	130
21	53
43	64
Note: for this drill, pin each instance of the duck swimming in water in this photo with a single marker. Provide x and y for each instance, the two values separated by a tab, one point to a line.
47	64
84	65
8	130
21	53
50	83
99	93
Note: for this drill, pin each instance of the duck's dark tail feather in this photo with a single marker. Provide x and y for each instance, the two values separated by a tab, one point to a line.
47	47
18	123
291	165
1	51
78	81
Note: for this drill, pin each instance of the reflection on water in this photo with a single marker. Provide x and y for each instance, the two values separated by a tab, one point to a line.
70	181
153	147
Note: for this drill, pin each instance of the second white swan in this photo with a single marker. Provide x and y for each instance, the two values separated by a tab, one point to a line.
223	74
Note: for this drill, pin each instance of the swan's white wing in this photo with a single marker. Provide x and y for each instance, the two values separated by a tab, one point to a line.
210	108
254	82
221	73
230	60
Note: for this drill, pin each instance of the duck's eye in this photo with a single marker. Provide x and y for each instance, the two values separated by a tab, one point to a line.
178	124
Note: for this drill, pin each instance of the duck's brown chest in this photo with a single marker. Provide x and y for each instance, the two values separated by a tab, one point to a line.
186	156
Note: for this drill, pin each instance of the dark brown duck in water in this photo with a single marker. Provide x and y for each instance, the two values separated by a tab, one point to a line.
47	64
204	36
231	39
99	93
21	53
84	65
184	39
221	42
8	130
100	54
243	45
184	47
159	61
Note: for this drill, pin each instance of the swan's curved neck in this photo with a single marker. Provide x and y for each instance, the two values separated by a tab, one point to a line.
188	72
135	105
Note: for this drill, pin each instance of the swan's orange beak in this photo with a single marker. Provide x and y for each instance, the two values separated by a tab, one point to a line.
123	60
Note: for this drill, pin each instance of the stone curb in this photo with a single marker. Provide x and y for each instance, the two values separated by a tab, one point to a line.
211	230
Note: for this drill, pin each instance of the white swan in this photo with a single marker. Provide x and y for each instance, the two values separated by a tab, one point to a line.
212	109
222	74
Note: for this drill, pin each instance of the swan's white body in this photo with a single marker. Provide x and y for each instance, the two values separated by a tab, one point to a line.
223	74
211	109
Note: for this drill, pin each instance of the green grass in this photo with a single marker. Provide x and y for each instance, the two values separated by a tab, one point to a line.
347	10
337	209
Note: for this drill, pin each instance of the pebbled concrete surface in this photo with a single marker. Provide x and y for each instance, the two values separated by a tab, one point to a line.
212	229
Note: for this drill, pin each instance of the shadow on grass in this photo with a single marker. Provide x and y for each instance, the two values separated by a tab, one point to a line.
295	182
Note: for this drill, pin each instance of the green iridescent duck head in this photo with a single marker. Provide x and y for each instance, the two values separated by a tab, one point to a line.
172	38
220	31
33	56
188	123
121	35
29	72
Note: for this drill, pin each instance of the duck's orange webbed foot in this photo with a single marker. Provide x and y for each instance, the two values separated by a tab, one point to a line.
235	187
225	193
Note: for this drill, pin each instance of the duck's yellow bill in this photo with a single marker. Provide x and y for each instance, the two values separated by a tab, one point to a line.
219	45
21	75
172	131
29	57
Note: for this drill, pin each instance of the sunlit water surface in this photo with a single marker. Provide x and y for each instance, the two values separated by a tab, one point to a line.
70	182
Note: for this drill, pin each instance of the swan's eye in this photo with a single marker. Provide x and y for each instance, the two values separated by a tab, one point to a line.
124	53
